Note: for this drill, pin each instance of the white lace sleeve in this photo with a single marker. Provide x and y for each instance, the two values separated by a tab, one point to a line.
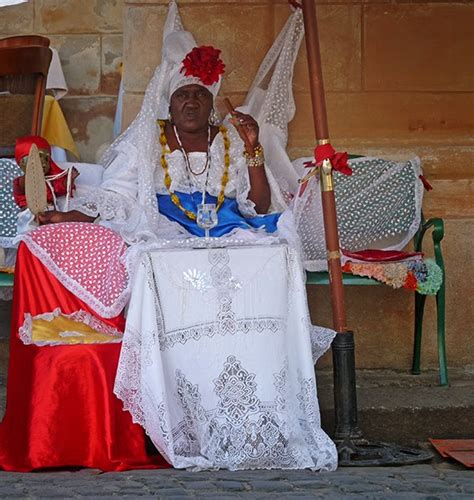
239	171
116	198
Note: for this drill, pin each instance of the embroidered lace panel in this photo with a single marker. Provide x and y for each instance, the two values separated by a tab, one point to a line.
88	260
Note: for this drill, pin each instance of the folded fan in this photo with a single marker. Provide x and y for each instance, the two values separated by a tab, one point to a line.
35	184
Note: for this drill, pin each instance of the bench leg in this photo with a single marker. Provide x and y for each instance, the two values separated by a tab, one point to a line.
419	311
441	325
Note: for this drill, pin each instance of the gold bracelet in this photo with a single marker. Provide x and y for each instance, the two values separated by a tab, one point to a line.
257	150
256	162
257	159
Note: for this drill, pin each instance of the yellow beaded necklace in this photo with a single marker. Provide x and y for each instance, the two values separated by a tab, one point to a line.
164	164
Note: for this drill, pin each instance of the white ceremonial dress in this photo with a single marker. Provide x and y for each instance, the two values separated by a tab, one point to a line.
217	359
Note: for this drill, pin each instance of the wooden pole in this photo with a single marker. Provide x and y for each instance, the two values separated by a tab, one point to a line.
322	135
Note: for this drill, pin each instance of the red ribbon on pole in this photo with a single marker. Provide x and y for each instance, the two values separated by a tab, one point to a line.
339	161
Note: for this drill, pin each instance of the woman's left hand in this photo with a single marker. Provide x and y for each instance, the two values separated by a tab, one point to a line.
247	127
55	217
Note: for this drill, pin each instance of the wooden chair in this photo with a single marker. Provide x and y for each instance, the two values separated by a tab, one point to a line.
24	41
23	73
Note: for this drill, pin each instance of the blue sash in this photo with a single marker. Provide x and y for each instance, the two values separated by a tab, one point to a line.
229	215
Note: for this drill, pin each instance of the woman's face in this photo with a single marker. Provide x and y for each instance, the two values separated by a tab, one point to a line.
190	107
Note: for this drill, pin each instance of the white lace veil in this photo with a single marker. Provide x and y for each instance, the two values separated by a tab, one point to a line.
270	101
139	142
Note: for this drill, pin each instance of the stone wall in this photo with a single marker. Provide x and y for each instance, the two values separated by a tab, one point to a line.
88	37
399	81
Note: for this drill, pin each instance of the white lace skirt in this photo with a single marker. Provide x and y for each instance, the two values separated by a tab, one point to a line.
217	360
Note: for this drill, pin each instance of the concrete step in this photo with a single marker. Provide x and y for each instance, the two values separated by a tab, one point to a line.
5	309
4	348
392	406
406	409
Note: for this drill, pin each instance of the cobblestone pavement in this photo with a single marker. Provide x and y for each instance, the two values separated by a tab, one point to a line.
438	481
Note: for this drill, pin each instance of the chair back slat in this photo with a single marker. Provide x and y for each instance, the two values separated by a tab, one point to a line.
24	41
23	74
24	60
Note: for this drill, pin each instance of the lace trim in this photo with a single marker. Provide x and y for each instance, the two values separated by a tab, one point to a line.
82	294
7	241
25	332
246	325
241	431
107	204
321	340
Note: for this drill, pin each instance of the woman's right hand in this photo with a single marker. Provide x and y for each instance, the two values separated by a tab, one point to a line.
54	217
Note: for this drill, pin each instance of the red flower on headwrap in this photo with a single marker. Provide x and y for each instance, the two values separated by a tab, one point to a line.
203	63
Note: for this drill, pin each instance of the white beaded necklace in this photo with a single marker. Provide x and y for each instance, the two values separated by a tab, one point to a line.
207	165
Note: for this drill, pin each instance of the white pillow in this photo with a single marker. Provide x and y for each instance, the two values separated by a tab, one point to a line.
90	174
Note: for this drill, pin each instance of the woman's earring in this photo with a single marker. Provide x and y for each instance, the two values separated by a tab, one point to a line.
170	118
213	118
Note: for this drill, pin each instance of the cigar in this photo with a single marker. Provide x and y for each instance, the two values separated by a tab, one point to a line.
237	125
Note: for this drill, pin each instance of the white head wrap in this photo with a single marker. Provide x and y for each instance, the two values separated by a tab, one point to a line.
176	46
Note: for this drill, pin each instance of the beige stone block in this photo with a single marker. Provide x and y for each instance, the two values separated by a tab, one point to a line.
459	262
111	60
78	16
131	106
16	20
419	46
142	44
340	44
241	50
80	59
447	159
381	319
450	198
243	43
396	116
91	122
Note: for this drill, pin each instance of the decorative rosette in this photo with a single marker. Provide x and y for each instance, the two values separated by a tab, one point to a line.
204	63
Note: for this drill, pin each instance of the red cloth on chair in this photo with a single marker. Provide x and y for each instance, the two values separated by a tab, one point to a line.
61	410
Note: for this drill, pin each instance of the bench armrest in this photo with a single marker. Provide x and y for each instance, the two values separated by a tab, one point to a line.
437	235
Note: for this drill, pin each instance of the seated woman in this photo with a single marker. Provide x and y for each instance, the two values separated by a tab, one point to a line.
61	410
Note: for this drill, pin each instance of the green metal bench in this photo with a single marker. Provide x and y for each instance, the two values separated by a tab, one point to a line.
437	225
6	279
